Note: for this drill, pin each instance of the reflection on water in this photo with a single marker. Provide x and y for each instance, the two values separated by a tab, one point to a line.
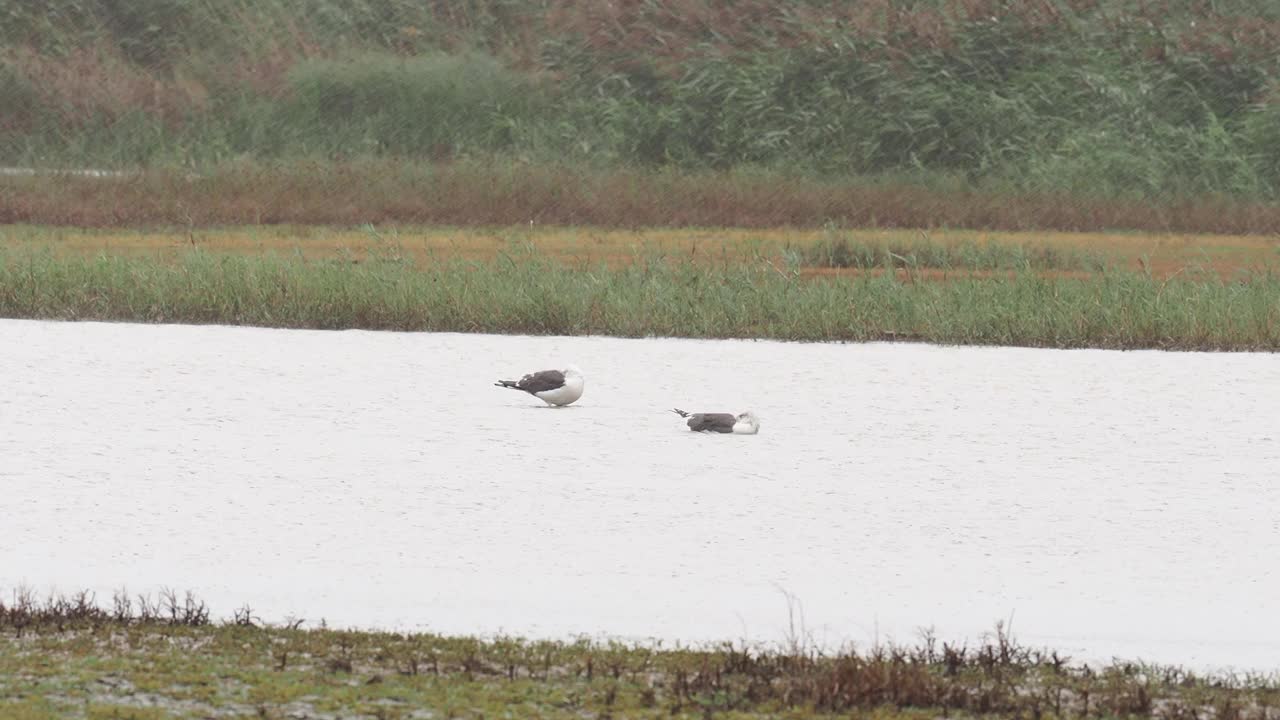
1110	503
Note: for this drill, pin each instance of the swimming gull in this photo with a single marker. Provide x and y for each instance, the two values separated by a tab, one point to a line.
554	387
742	424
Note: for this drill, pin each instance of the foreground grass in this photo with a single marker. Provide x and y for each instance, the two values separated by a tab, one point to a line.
67	657
521	290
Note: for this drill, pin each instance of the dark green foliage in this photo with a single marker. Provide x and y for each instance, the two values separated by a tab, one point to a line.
19	99
430	104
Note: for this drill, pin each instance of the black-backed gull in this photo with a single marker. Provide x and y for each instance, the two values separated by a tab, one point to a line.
742	424
554	387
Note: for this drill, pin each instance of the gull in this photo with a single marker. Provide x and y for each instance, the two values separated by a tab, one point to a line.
742	424
554	387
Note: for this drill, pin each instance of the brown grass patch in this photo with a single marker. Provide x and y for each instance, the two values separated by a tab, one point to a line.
1163	254
502	196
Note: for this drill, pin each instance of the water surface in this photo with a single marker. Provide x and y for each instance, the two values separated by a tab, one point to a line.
1111	503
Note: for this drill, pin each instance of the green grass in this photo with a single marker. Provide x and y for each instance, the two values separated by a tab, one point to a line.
838	250
523	292
67	657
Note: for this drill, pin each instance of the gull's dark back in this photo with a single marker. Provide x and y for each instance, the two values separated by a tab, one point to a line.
709	422
541	381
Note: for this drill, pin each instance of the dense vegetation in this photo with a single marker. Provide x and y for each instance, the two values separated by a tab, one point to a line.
1146	99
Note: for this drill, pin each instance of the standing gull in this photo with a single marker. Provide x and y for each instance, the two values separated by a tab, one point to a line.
554	387
742	424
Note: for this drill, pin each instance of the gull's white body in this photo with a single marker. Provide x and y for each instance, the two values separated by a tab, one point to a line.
569	392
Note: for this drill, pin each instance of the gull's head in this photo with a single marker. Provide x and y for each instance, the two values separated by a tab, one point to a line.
749	419
573	371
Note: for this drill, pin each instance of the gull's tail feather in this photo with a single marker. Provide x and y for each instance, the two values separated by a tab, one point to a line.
680	412
508	384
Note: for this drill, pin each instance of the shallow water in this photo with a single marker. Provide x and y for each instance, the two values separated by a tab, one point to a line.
1111	503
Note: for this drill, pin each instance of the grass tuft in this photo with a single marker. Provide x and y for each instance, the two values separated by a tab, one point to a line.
838	250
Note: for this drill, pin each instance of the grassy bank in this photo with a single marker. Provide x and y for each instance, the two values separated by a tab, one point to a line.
480	194
1148	101
522	290
830	250
162	657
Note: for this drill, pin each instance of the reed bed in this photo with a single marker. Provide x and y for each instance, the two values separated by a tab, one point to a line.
1150	102
66	656
522	291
